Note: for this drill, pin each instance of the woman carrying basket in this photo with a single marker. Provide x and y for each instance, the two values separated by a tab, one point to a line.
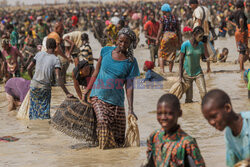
116	67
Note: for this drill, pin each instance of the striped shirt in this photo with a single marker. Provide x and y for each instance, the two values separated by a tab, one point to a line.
86	52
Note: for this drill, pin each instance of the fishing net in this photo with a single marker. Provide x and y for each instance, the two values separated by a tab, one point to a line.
179	88
76	119
132	135
23	112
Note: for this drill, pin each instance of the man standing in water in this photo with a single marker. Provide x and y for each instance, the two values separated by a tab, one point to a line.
201	17
151	30
56	35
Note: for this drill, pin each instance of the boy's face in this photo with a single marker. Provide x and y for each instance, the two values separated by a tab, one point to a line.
199	37
216	117
85	71
167	116
225	52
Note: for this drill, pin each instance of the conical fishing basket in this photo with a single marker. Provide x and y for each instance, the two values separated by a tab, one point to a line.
76	119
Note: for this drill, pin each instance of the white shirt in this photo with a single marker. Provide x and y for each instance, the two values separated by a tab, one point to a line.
198	14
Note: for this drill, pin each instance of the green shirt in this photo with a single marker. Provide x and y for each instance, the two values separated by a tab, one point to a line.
41	30
192	58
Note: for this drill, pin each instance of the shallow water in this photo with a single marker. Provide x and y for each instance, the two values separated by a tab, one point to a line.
40	145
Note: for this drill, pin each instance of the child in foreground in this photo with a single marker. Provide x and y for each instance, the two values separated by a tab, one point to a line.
170	145
217	109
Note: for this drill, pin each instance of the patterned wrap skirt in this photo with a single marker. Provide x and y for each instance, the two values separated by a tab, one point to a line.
241	39
111	124
39	103
168	46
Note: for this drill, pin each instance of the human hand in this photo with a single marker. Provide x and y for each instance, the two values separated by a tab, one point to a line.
132	113
69	95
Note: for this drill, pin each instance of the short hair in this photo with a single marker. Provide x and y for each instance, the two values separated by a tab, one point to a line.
85	37
170	99
225	49
51	43
193	2
198	30
218	96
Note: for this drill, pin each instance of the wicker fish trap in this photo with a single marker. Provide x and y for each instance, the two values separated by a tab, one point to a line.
76	119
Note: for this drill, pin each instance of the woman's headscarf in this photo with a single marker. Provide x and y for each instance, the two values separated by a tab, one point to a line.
149	64
166	8
128	32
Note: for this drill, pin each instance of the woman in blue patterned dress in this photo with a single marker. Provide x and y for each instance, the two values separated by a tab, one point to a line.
170	36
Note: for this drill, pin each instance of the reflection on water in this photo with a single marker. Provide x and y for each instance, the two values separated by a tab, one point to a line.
41	145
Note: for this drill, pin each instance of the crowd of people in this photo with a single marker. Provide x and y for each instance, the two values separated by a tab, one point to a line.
39	45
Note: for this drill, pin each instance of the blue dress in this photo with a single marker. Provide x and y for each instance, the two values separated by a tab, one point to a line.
112	76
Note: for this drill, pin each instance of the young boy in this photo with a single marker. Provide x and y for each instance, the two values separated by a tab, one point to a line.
222	57
170	145
247	80
217	109
86	50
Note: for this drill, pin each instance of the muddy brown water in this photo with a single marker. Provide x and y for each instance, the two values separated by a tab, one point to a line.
40	145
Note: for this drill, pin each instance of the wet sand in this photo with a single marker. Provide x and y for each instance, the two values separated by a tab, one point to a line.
40	145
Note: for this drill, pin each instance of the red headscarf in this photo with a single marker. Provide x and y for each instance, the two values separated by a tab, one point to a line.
187	29
149	64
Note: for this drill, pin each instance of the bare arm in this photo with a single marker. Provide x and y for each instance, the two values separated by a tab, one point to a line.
71	44
224	58
229	21
21	57
182	55
179	33
60	82
30	68
130	96
77	86
94	76
159	33
60	52
149	37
